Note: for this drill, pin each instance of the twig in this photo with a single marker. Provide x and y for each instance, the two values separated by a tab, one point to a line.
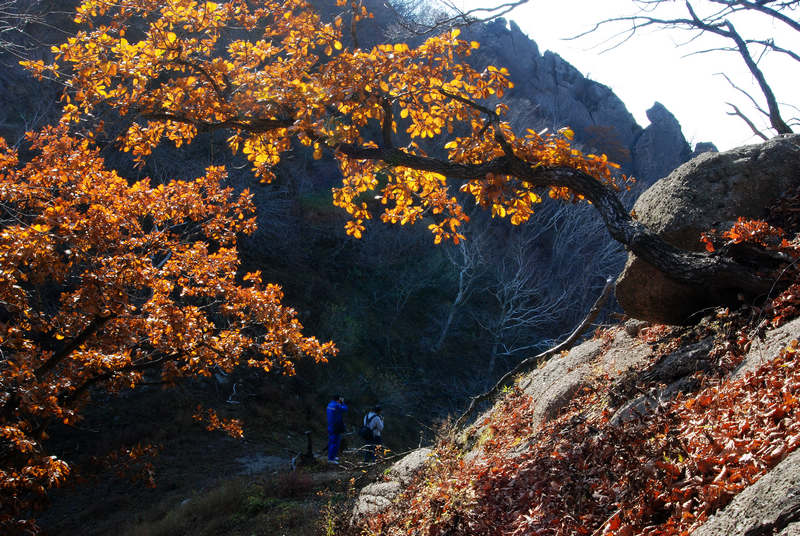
738	113
612	516
535	360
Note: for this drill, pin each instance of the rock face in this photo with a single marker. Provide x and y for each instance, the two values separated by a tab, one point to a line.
377	496
661	146
710	191
764	349
553	385
770	506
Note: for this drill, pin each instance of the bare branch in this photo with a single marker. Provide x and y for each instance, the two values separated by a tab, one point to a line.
451	16
745	93
770	44
762	7
717	23
736	112
774	111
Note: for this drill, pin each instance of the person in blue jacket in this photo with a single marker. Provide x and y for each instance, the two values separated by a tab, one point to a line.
335	412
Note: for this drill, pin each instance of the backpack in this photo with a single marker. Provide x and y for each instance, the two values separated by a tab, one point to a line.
365	432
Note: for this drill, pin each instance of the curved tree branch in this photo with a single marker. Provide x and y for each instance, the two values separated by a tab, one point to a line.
693	268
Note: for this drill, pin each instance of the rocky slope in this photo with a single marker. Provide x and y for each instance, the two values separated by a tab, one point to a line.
645	428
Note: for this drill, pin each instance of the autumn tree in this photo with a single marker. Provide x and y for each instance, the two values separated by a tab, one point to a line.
144	274
104	282
277	74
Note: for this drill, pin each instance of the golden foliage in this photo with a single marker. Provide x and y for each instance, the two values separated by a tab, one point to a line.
145	279
289	76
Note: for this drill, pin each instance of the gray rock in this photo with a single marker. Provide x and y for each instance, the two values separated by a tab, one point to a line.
553	385
375	498
792	530
378	496
770	506
674	372
684	361
261	463
704	147
768	348
405	469
710	191
661	147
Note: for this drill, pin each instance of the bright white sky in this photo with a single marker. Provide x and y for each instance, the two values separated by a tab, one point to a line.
650	67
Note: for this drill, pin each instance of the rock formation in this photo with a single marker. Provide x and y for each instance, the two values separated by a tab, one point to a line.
661	146
710	191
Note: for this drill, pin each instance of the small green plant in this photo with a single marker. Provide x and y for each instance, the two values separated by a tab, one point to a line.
329	519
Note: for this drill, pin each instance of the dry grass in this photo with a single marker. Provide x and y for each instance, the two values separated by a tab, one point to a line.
289	504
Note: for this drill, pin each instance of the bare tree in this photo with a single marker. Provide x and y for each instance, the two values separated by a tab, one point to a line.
468	259
422	17
716	18
24	22
521	285
536	286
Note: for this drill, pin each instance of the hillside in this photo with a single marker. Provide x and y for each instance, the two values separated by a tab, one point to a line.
645	428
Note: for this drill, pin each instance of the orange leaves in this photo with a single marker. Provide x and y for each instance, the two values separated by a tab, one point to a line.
755	232
294	79
355	228
146	279
786	306
764	236
211	421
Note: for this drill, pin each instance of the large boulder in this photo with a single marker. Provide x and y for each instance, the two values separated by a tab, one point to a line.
553	385
710	191
378	496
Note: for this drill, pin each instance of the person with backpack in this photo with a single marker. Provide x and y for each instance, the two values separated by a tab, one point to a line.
371	430
335	414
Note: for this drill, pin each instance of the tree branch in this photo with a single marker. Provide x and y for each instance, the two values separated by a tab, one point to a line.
774	111
736	112
386	124
94	326
746	94
248	124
